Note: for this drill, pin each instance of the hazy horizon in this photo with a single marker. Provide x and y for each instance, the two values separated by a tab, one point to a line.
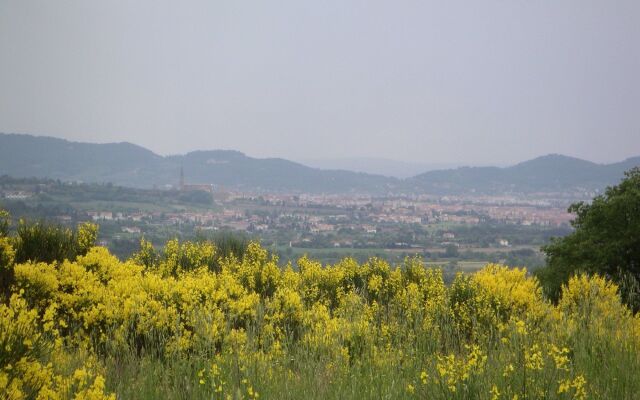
494	83
329	158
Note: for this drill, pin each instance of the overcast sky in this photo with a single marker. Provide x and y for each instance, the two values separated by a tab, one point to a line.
478	82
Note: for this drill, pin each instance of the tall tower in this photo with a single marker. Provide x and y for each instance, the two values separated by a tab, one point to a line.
181	178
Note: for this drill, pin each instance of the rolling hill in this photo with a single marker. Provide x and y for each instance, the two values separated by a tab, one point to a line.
131	165
550	173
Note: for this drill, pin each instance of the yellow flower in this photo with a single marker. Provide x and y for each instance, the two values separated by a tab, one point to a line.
411	389
533	358
494	392
508	370
579	385
559	357
423	377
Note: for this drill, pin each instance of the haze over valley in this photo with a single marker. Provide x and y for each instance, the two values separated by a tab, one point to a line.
462	217
331	200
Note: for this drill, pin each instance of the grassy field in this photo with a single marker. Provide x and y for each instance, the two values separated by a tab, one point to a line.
329	255
138	206
466	266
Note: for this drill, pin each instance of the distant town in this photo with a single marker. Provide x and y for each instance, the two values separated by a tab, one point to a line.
457	230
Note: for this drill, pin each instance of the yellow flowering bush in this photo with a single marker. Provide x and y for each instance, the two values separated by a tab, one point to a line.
26	353
592	302
248	328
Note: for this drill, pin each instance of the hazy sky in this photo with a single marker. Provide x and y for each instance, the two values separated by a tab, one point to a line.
480	82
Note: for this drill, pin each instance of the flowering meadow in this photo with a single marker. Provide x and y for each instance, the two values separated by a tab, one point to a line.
175	324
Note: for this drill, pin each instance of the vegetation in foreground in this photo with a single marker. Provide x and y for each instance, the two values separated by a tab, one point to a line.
606	241
185	322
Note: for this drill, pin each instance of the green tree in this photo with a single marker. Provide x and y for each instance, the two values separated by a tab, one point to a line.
606	240
451	251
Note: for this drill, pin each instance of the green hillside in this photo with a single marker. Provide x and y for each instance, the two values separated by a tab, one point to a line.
131	165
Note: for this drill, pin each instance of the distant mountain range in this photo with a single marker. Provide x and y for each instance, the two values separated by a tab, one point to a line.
550	173
131	165
377	166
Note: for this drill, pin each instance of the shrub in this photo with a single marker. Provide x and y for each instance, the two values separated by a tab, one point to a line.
42	242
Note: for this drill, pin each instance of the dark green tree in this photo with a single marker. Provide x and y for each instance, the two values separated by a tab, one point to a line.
606	240
451	251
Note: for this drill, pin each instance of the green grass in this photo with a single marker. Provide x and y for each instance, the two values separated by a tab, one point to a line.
611	373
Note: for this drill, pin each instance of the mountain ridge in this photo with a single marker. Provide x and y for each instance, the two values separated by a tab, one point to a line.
548	173
128	164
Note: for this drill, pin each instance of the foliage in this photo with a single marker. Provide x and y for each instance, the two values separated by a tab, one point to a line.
32	365
227	244
4	223
177	257
40	241
7	255
606	241
165	324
